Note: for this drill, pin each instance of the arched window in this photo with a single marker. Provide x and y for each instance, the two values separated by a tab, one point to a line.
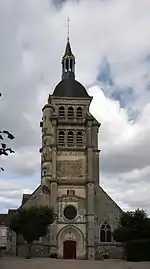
79	111
61	138
70	138
61	111
108	235
105	233
67	64
79	138
70	111
70	64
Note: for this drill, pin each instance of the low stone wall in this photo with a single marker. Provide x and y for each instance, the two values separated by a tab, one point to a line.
2	251
37	250
102	251
111	251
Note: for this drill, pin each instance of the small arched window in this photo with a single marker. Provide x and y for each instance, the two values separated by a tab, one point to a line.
105	233
70	64
67	64
61	111
61	138
70	111
79	138
70	138
79	112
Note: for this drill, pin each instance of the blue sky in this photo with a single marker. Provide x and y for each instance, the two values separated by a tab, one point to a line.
125	95
111	43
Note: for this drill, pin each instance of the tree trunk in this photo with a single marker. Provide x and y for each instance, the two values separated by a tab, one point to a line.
29	248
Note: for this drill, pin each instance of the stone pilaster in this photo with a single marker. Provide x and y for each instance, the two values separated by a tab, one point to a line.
90	189
97	167
46	151
53	197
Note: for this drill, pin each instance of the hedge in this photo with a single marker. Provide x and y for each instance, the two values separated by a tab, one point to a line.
138	250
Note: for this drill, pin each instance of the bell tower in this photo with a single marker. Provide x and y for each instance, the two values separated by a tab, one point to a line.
69	162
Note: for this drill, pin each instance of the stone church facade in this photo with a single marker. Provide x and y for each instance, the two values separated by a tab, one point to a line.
86	215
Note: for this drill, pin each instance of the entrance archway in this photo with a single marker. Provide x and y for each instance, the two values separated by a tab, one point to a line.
69	249
76	247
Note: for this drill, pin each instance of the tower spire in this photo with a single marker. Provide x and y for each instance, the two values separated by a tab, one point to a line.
68	60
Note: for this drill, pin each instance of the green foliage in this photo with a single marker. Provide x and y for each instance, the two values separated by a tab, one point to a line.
4	149
132	225
32	223
138	250
134	232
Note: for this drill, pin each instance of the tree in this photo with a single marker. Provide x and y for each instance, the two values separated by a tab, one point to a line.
134	232
4	150
132	225
32	223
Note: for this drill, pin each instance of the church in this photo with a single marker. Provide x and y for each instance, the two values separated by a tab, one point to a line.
70	157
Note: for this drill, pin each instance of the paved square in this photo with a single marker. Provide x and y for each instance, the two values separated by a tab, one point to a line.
20	263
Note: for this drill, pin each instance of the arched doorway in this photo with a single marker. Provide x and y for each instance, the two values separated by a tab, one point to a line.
77	249
69	249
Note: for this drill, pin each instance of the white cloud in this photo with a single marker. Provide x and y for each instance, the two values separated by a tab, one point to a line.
124	144
12	189
131	189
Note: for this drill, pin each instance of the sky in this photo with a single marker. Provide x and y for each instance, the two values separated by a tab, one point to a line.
111	42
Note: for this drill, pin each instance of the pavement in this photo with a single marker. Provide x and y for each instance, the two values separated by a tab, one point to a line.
47	263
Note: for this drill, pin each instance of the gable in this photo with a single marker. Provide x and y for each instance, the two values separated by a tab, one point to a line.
105	207
39	197
25	197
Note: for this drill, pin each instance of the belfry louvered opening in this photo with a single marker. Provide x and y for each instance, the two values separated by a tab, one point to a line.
79	139
79	112
70	111
61	111
61	138
70	138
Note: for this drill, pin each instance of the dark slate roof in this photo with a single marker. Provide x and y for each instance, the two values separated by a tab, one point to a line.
3	219
68	51
12	211
70	88
25	198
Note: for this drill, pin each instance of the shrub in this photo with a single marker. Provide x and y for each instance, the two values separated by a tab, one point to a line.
53	255
138	250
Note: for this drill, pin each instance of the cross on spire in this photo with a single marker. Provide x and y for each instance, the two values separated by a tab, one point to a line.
68	25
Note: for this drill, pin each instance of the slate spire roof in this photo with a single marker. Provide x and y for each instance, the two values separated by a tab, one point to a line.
68	51
68	86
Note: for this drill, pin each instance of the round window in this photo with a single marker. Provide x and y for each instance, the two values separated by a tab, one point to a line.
70	212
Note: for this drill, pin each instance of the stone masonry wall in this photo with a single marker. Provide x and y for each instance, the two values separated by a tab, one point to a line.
110	251
37	250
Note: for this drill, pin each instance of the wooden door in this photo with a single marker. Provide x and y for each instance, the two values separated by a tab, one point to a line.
69	251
